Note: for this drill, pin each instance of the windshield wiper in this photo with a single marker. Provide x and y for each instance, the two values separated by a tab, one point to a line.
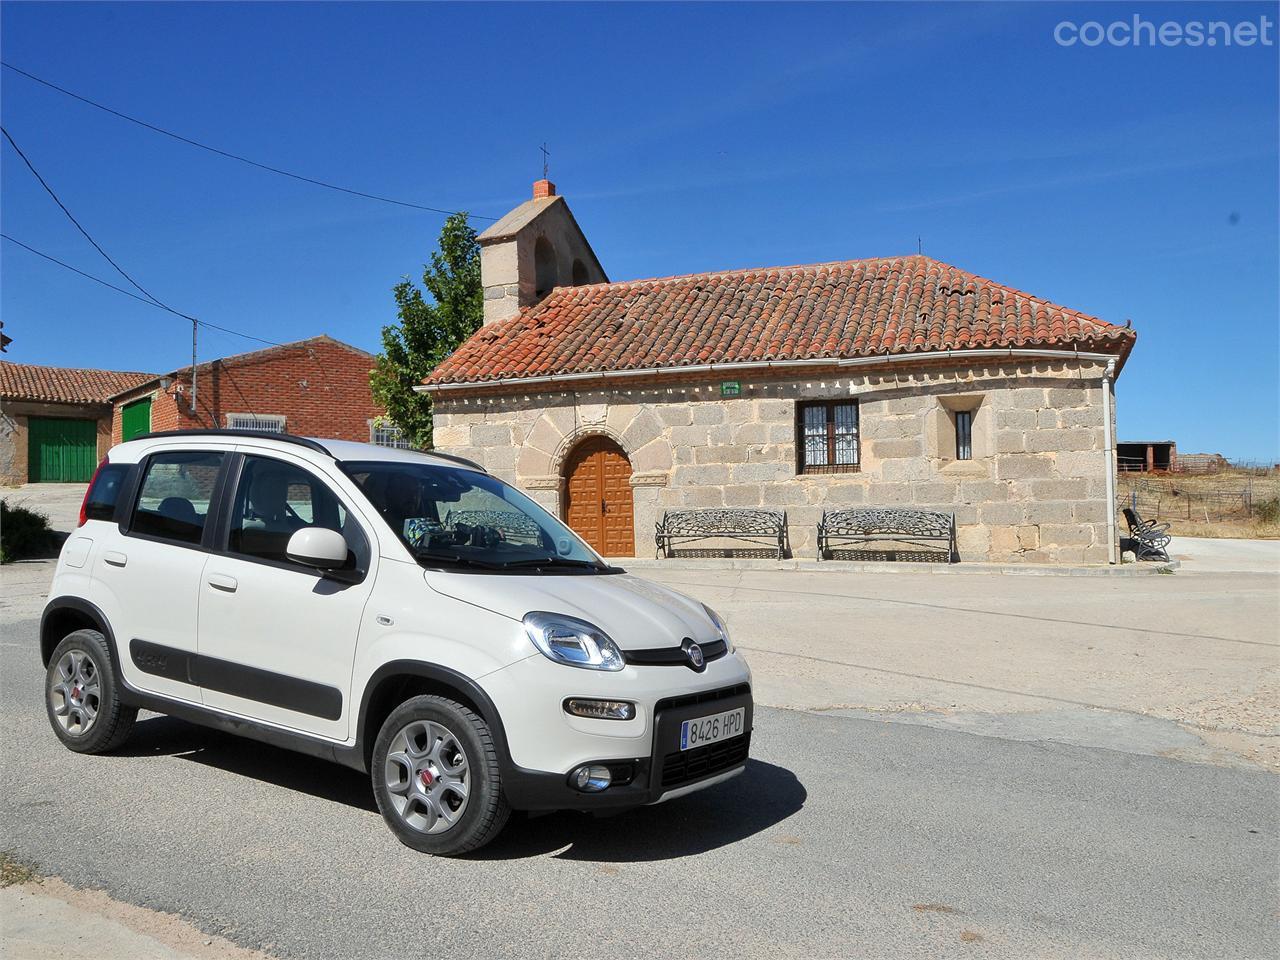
554	562
455	560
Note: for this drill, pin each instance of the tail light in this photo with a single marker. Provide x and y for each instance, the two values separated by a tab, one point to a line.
84	504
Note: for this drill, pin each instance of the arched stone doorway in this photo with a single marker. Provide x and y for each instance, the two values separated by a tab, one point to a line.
598	503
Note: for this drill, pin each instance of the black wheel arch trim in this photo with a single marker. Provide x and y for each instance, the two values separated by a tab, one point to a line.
86	609
444	676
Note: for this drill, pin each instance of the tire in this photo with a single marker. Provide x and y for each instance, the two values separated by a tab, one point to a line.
428	754
81	695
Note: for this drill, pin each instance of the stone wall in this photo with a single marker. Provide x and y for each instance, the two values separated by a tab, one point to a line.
1034	491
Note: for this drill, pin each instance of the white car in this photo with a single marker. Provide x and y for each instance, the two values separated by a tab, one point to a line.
405	614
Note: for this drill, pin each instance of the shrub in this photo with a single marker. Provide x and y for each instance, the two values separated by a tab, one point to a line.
1268	511
23	532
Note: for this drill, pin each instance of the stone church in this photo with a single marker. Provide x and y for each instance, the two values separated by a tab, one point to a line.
889	381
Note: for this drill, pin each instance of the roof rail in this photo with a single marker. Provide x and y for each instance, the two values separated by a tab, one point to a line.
455	458
307	442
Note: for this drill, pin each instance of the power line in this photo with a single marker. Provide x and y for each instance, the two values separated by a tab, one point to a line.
90	276
233	156
127	293
49	190
149	299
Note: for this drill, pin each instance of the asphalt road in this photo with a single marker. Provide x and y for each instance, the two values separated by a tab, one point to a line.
845	837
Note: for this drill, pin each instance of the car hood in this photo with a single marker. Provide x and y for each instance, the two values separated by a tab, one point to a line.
637	614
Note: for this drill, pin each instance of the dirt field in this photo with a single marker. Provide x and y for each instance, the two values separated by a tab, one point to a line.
1236	504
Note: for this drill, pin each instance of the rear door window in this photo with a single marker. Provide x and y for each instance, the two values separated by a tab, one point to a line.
176	490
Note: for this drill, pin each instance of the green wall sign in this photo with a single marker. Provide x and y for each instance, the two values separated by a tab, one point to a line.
730	388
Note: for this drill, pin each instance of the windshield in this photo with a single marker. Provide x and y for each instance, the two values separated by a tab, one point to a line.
451	517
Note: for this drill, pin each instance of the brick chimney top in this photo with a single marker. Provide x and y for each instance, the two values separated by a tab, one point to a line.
543	188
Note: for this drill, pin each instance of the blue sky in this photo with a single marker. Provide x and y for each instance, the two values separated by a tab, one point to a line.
1130	183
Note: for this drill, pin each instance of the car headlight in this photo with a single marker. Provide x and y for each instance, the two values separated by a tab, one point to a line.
572	642
720	626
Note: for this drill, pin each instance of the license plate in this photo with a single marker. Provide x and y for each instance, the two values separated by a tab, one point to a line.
718	726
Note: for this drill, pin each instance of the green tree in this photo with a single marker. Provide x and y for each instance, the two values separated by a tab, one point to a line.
430	327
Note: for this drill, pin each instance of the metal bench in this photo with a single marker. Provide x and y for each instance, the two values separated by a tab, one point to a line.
858	526
760	527
515	526
1150	539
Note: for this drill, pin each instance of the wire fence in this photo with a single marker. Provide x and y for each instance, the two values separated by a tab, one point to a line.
1165	499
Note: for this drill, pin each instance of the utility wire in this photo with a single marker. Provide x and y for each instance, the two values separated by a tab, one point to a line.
128	293
149	299
49	190
234	156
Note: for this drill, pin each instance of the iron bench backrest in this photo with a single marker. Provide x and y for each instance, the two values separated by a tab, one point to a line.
743	523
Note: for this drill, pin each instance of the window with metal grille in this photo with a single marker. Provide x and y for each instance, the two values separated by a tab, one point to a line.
388	435
262	423
964	434
827	440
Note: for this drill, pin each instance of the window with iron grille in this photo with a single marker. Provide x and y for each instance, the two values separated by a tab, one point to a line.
262	423
827	437
388	435
964	434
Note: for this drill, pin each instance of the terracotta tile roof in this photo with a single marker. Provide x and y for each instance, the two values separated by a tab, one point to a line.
26	381
858	308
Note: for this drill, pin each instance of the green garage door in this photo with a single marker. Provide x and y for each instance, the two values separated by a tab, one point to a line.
61	451
135	419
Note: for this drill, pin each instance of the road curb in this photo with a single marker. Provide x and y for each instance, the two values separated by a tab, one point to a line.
892	567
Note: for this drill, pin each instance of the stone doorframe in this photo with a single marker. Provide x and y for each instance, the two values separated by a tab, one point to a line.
634	428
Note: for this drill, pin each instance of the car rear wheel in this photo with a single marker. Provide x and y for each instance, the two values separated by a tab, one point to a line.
82	695
436	777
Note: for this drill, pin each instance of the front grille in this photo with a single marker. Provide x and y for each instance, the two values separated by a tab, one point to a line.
674	656
687	766
707	696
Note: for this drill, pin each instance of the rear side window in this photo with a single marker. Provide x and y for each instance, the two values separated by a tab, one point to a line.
100	501
174	498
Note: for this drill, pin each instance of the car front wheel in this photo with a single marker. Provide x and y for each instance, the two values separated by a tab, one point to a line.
436	777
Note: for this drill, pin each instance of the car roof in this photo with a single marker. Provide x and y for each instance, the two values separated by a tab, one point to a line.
338	450
351	450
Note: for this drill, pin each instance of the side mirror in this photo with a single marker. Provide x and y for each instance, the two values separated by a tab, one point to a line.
318	547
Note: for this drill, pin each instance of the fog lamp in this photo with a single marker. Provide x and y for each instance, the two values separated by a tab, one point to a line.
591	777
600	709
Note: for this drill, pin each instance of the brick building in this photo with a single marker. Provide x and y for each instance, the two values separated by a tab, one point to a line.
317	387
891	381
55	422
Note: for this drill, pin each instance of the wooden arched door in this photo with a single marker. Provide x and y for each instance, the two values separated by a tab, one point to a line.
597	497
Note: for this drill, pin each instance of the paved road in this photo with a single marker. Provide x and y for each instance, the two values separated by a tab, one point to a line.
846	837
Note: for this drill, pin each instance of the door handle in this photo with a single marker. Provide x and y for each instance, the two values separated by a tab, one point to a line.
220	581
604	507
114	558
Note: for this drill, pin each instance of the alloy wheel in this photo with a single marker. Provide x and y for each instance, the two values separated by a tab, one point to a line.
428	776
76	695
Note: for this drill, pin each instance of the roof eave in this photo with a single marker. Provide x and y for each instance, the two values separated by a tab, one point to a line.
522	383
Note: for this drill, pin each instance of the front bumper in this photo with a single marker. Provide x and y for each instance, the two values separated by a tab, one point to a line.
664	773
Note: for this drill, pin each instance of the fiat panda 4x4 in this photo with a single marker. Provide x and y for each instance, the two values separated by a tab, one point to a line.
405	614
